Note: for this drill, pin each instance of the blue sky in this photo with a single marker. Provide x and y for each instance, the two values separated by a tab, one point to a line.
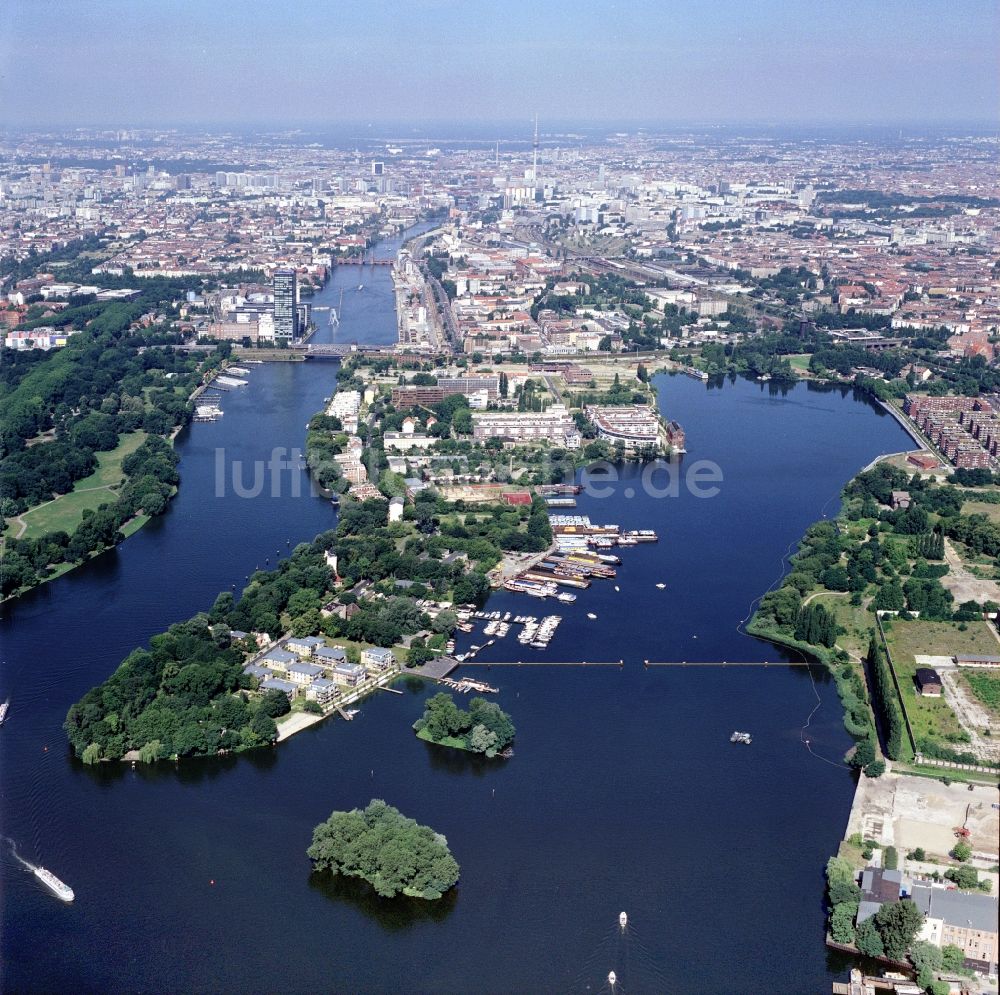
135	62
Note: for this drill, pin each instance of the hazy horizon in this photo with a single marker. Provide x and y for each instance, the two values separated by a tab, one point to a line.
238	65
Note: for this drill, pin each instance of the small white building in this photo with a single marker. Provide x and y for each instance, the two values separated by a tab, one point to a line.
304	646
276	684
378	658
330	657
350	674
322	690
396	506
304	673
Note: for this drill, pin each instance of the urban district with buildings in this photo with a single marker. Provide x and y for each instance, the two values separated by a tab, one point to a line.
549	280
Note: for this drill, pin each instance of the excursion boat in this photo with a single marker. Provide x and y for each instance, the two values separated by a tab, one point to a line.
58	888
741	737
3	711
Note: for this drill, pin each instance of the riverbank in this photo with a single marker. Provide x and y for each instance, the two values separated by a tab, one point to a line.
216	811
296	721
108	462
879	556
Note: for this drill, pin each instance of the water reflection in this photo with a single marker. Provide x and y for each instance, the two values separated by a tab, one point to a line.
392	914
187	770
451	761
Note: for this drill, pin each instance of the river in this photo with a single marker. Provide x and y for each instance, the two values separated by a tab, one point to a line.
624	791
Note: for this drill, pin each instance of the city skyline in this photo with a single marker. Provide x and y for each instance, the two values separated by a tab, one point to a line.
778	63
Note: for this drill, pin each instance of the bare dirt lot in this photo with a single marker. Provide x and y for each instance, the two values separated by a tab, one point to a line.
962	584
909	812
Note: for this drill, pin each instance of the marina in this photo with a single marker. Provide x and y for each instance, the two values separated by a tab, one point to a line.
535	632
579	556
207	413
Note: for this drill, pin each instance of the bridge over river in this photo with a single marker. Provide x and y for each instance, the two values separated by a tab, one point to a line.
331	350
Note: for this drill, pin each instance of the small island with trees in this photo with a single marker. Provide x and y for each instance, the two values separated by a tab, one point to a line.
393	853
485	728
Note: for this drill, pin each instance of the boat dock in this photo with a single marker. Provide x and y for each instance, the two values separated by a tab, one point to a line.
207	413
467	684
862	984
436	669
578	556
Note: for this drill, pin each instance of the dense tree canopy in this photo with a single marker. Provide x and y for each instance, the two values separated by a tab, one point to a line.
484	728
394	854
187	693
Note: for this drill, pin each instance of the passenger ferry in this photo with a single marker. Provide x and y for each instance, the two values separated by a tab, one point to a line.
59	888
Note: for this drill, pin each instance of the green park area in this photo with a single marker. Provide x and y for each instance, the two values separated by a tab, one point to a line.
933	718
65	512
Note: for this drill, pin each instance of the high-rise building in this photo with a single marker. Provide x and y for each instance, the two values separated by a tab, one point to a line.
378	168
285	301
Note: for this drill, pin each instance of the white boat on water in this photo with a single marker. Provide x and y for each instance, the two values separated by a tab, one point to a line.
3	711
361	286
591	615
661	586
58	888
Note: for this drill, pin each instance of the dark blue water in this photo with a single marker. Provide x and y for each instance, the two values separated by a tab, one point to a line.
624	792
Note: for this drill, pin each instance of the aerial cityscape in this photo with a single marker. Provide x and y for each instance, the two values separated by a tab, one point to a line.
512	494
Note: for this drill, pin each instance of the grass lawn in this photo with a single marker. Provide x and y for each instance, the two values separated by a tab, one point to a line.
855	619
991	511
985	685
933	717
801	362
66	512
455	744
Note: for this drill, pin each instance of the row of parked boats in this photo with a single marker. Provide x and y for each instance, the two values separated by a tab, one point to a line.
534	631
538	634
